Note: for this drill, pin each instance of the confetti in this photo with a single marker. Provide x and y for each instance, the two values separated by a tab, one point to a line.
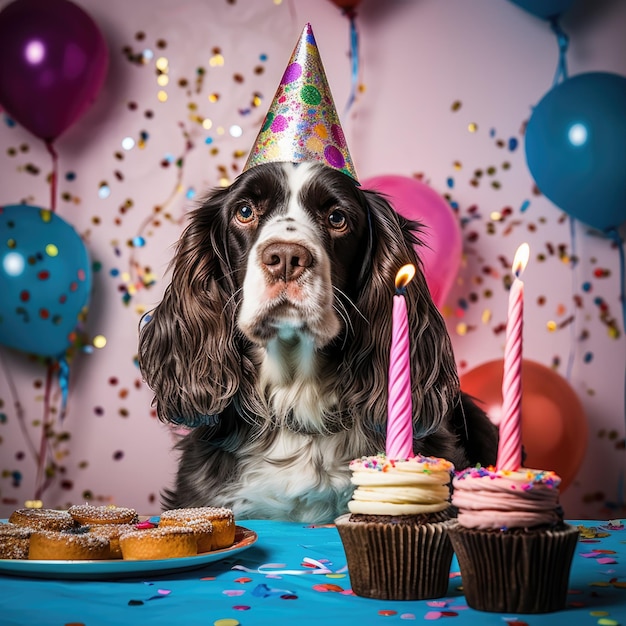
144	525
233	100
324	587
432	615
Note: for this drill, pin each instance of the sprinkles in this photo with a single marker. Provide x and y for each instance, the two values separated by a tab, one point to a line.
527	477
381	463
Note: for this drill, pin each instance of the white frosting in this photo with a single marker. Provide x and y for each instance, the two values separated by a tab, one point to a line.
402	487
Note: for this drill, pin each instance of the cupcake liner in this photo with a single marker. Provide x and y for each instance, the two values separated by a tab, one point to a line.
514	572
391	561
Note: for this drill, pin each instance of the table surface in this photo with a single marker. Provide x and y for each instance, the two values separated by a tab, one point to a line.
296	574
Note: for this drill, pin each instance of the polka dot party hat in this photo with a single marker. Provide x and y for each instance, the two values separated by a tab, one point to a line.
302	123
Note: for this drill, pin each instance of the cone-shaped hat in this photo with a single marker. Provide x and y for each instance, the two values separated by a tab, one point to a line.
302	123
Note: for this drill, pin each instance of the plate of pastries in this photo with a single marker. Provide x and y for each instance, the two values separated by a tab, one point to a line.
96	542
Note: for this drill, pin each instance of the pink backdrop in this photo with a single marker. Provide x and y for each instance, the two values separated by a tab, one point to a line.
446	88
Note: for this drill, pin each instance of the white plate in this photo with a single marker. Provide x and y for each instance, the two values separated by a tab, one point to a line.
118	568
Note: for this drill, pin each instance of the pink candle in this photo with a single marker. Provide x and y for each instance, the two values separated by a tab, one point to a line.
510	444
399	404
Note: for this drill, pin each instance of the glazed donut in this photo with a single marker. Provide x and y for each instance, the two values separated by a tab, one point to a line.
42	519
14	541
47	545
159	543
88	514
222	519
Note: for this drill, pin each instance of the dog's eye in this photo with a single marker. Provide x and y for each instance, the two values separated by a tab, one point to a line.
337	220
245	214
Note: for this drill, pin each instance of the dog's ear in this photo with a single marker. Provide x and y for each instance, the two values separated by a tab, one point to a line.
188	351
435	383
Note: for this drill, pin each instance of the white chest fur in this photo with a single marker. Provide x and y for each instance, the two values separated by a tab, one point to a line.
301	478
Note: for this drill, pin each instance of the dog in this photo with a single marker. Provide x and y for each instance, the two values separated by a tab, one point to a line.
272	340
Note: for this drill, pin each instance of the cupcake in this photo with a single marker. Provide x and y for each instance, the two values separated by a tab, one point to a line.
395	536
513	548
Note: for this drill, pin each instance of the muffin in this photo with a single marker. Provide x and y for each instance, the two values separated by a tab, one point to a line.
395	536
222	532
14	541
158	543
90	514
112	533
72	545
513	548
42	519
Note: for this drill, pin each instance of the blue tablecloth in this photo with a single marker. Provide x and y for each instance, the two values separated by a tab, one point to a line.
296	574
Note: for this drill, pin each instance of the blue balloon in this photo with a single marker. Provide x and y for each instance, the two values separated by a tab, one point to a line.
576	148
45	280
544	8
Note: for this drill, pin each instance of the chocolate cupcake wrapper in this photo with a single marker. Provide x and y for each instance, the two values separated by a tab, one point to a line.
396	561
511	572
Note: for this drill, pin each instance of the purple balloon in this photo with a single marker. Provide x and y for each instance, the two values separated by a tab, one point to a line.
54	61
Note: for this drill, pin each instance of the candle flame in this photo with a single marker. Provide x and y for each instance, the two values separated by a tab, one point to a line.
405	276
521	259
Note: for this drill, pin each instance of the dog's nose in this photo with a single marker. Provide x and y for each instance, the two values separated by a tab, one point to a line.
286	261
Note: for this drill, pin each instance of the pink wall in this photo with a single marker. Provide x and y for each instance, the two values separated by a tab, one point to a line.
416	59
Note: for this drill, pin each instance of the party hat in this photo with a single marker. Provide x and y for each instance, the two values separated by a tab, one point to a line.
302	123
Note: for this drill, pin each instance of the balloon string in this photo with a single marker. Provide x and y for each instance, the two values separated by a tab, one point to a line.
64	384
19	409
54	176
563	41
43	445
354	57
561	74
619	242
574	263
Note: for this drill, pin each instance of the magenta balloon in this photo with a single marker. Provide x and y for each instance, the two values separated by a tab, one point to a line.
53	63
441	254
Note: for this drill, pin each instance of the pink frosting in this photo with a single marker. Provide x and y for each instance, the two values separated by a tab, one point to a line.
491	499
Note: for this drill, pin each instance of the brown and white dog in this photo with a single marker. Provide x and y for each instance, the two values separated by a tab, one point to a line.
272	343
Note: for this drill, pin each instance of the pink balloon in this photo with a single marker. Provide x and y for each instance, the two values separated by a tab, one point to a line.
54	61
441	254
